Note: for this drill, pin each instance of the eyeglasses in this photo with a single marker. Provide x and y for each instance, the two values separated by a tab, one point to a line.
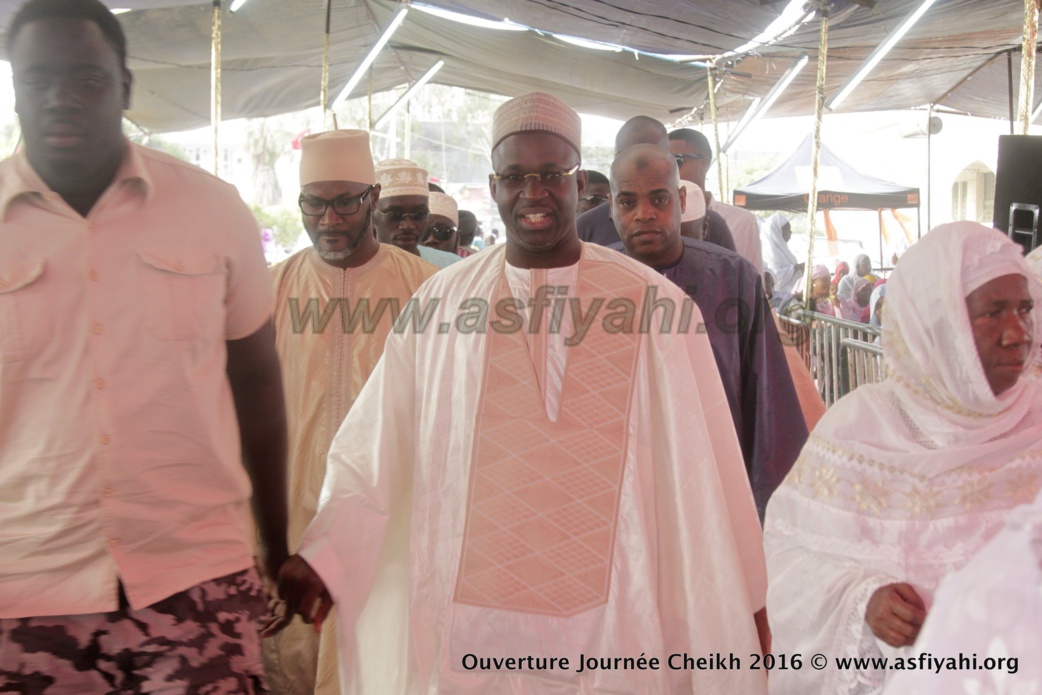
343	206
681	157
593	199
441	233
397	216
550	179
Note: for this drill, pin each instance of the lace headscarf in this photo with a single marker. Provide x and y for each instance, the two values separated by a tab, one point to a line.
904	480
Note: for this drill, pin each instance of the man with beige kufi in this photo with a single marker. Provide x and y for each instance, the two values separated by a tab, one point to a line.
335	304
403	210
442	225
549	497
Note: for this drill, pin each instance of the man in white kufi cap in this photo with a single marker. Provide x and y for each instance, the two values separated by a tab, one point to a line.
335	304
404	209
490	525
443	224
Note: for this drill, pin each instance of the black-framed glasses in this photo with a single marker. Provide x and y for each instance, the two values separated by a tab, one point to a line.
343	206
397	216
594	199
681	157
549	179
441	232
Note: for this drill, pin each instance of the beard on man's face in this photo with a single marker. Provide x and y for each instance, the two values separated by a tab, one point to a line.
354	241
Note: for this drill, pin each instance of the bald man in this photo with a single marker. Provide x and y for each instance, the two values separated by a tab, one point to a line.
596	226
648	204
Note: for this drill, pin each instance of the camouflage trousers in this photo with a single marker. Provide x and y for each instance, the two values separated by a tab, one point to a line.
202	641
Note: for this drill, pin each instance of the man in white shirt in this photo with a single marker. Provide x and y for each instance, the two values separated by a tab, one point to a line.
695	157
135	334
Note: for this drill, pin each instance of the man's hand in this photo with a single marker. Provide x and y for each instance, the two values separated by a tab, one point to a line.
895	613
304	594
269	561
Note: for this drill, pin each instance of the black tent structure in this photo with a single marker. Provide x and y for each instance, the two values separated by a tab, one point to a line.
840	187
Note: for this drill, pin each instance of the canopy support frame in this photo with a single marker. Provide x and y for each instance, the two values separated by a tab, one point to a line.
215	85
819	110
1027	65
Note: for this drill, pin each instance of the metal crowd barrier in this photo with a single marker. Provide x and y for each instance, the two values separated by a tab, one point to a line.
864	362
840	354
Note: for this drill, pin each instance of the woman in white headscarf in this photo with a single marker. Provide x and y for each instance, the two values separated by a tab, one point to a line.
863	268
777	256
853	297
876	304
902	481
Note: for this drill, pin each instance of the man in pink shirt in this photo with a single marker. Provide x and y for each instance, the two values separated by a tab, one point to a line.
135	334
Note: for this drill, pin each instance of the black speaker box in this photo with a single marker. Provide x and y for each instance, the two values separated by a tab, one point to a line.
1018	181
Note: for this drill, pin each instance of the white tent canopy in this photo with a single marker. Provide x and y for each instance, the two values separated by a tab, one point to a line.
272	54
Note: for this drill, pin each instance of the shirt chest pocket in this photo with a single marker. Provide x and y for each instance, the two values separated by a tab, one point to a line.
183	293
21	301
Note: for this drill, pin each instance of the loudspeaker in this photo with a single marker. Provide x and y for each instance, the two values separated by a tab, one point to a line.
1018	182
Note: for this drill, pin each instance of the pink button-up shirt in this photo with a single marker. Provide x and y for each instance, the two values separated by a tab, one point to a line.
119	446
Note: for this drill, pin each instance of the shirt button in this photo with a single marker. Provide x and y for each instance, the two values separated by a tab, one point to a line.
104	439
99	384
179	267
113	542
107	492
93	276
2	284
96	329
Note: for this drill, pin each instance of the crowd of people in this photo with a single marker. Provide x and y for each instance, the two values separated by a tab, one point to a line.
857	297
580	460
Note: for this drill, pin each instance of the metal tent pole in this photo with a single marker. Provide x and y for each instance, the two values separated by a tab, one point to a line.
324	94
929	170
880	239
819	109
1027	64
716	133
215	85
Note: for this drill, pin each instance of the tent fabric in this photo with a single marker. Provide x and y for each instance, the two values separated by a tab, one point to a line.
953	57
840	186
272	55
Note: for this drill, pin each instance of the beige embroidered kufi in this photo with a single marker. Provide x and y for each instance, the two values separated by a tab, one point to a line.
537	112
336	155
696	202
444	205
401	177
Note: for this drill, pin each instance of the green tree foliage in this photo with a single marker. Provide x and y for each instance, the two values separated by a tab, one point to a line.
284	223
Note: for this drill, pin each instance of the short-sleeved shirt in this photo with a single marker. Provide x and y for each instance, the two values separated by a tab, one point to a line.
119	444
